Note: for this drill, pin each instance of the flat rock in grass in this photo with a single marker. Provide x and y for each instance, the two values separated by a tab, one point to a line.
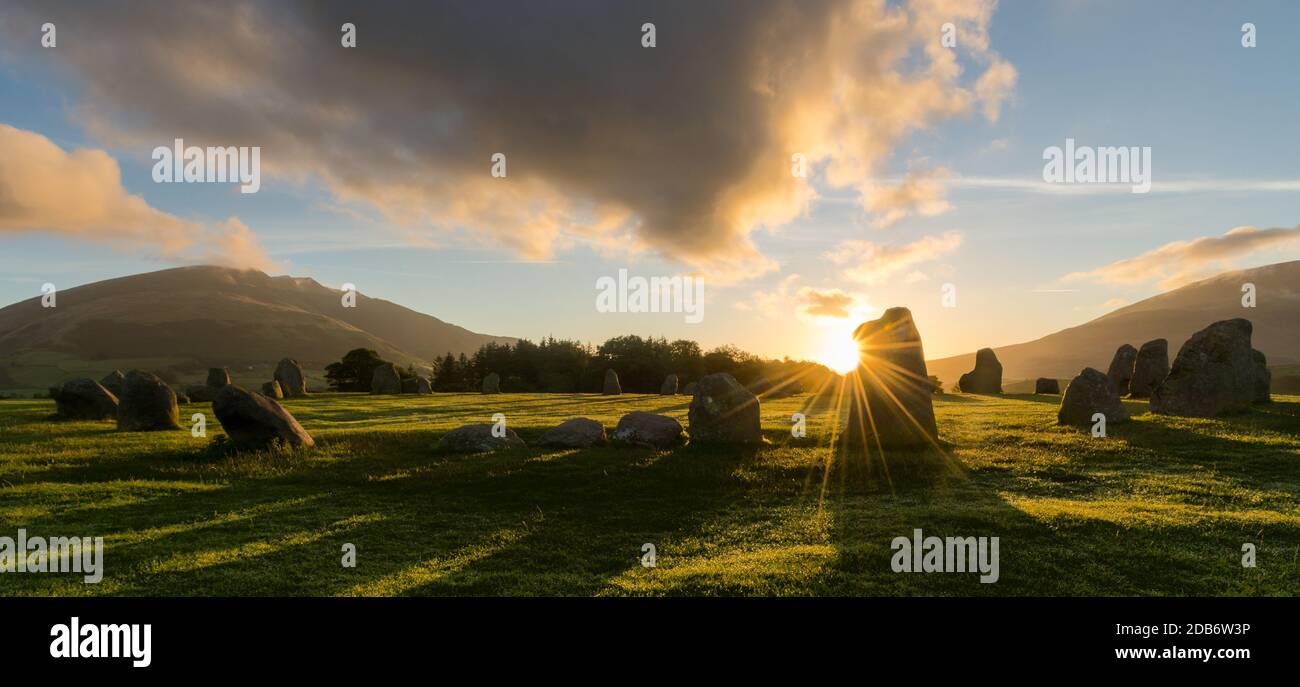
1149	368
1121	368
477	439
147	404
894	408
1045	385
218	377
272	389
257	421
200	394
492	383
669	387
1089	393
986	378
1263	378
1214	373
648	430
84	399
291	379
576	433
113	382
385	380
612	387
724	411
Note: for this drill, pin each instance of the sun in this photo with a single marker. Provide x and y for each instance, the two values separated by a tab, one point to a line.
839	352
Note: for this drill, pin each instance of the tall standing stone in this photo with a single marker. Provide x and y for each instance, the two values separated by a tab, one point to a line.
113	382
1120	371
492	383
724	411
271	389
986	378
669	387
385	380
1214	373
292	382
893	407
218	377
1150	368
612	387
1089	393
147	403
1263	378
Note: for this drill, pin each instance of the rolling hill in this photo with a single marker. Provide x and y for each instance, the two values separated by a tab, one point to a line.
1174	315
223	317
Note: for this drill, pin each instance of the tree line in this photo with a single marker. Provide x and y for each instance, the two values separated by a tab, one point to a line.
564	366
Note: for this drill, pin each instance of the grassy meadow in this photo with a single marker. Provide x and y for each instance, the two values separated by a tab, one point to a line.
1160	507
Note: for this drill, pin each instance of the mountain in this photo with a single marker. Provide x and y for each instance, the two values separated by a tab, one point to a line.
1174	315
226	317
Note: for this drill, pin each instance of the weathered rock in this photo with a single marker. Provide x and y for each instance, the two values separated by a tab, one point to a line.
492	383
1263	378
576	433
1089	393
218	377
612	387
147	403
895	408
113	382
1150	368
181	397
1121	368
986	378
292	381
1214	373
256	421
385	380
669	387
1045	385
690	389
410	385
723	411
478	438
84	399
423	385
272	389
648	430
200	394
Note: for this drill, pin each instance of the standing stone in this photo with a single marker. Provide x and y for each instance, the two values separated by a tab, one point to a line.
218	377
385	380
690	389
669	387
895	408
1263	378
256	421
1214	373
181	397
423	385
648	430
492	383
1150	368
723	411
199	393
272	389
579	432
986	378
113	382
612	387
292	382
147	403
84	399
1121	368
1087	394
1045	385
411	385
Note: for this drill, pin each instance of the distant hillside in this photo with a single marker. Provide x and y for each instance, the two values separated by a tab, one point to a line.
1175	316
219	316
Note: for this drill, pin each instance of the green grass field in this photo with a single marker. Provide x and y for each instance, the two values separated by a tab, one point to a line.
1160	507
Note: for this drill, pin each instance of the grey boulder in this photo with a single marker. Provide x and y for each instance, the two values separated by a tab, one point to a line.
724	411
147	404
84	399
477	439
257	421
1089	393
576	433
648	430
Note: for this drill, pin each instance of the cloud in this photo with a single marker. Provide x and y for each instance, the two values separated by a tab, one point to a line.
44	189
920	193
1181	262
830	303
871	263
682	150
806	302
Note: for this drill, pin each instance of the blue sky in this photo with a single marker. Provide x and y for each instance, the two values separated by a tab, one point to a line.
1169	75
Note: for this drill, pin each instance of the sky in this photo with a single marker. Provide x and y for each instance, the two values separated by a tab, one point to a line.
924	161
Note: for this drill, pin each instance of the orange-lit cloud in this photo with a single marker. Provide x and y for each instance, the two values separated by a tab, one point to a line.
868	262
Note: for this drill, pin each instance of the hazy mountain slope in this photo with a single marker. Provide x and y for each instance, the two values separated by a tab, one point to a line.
228	317
1174	315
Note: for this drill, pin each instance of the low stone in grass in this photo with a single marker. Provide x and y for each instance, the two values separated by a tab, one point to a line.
1045	385
579	432
648	430
113	382
256	421
477	439
1091	392
385	380
272	389
84	399
147	404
